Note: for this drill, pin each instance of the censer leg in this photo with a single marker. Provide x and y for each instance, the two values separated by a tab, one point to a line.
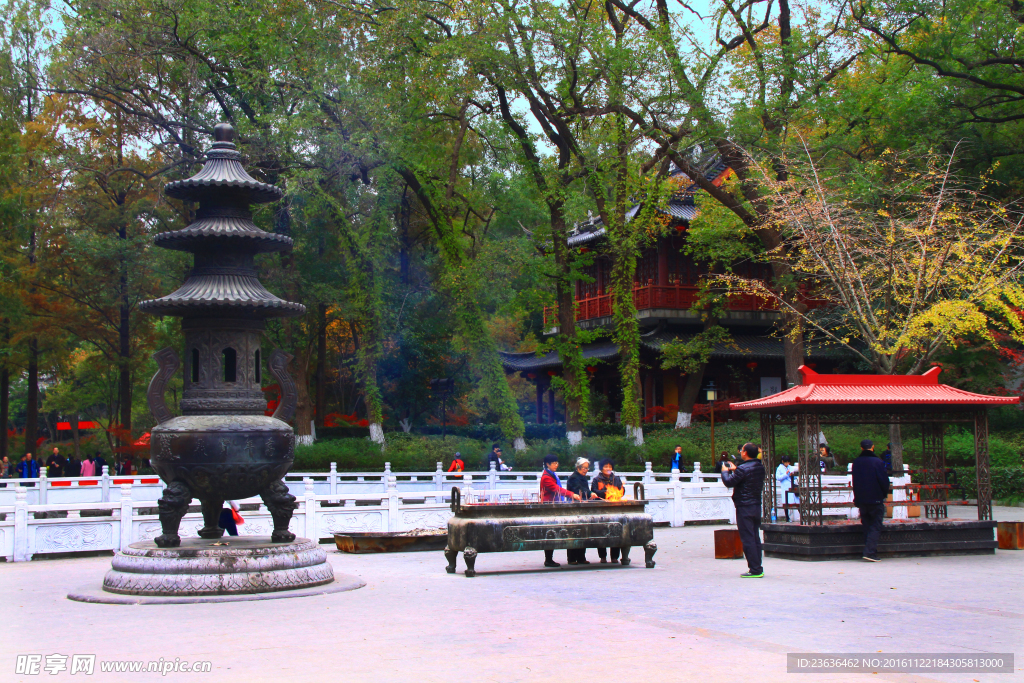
624	560
649	549
281	505
173	505
451	556
211	518
469	555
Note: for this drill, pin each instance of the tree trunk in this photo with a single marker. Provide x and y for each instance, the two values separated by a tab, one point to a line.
896	439
576	391
321	365
688	398
76	437
124	384
793	349
303	404
691	390
5	396
32	398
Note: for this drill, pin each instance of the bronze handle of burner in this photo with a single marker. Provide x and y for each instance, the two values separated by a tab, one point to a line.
456	499
638	490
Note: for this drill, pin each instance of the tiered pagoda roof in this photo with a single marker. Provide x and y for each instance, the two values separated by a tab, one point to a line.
224	239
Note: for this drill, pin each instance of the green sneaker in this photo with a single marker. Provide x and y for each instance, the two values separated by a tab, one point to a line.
752	575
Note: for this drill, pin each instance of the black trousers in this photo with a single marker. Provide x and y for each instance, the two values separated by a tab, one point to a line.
871	519
227	522
603	553
576	554
748	521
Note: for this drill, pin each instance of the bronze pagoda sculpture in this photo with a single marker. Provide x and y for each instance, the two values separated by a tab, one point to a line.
223	446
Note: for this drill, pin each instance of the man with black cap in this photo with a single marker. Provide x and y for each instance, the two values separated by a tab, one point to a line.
494	457
870	489
746	481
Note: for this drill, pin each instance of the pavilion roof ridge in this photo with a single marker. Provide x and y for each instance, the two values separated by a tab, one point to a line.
871	390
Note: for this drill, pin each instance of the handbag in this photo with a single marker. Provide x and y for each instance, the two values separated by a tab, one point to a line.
237	517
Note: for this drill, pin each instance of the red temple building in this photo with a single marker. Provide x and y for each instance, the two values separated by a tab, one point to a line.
665	287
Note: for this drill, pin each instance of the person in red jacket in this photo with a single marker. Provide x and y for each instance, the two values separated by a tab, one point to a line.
551	491
458	464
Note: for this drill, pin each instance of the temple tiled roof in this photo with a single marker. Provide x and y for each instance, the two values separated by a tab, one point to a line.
751	346
746	346
680	206
524	362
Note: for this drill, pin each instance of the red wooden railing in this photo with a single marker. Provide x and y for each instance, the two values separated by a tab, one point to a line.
656	296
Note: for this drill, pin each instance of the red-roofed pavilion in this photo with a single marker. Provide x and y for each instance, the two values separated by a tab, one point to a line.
874	399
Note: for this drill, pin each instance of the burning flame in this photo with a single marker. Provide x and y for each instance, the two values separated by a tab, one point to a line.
613	493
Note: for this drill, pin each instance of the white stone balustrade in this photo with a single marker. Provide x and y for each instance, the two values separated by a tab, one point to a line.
325	506
106	488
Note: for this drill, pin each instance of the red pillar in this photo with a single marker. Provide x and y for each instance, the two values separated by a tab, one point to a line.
663	262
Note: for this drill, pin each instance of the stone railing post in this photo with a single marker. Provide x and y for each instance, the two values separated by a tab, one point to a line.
44	485
394	502
21	553
674	477
127	513
310	511
333	477
105	484
852	512
439	478
695	476
492	477
387	476
648	474
901	511
678	518
467	488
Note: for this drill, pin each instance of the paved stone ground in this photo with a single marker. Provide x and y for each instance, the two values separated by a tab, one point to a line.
690	619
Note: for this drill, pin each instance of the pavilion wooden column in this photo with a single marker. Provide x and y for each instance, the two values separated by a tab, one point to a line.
540	403
648	389
769	495
670	393
984	472
933	450
663	263
551	406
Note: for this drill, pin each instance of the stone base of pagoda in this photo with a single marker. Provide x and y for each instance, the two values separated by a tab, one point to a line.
845	540
209	568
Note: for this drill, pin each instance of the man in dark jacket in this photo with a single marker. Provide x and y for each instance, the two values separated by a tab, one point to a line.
55	464
579	484
747	481
870	489
29	467
887	459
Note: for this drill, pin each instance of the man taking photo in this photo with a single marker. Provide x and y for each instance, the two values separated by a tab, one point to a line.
746	481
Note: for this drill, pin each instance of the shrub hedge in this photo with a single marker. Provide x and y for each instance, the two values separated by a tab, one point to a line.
1007	483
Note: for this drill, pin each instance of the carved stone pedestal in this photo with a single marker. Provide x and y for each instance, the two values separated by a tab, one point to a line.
225	566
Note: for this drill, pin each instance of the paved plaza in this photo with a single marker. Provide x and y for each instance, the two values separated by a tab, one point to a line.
689	619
